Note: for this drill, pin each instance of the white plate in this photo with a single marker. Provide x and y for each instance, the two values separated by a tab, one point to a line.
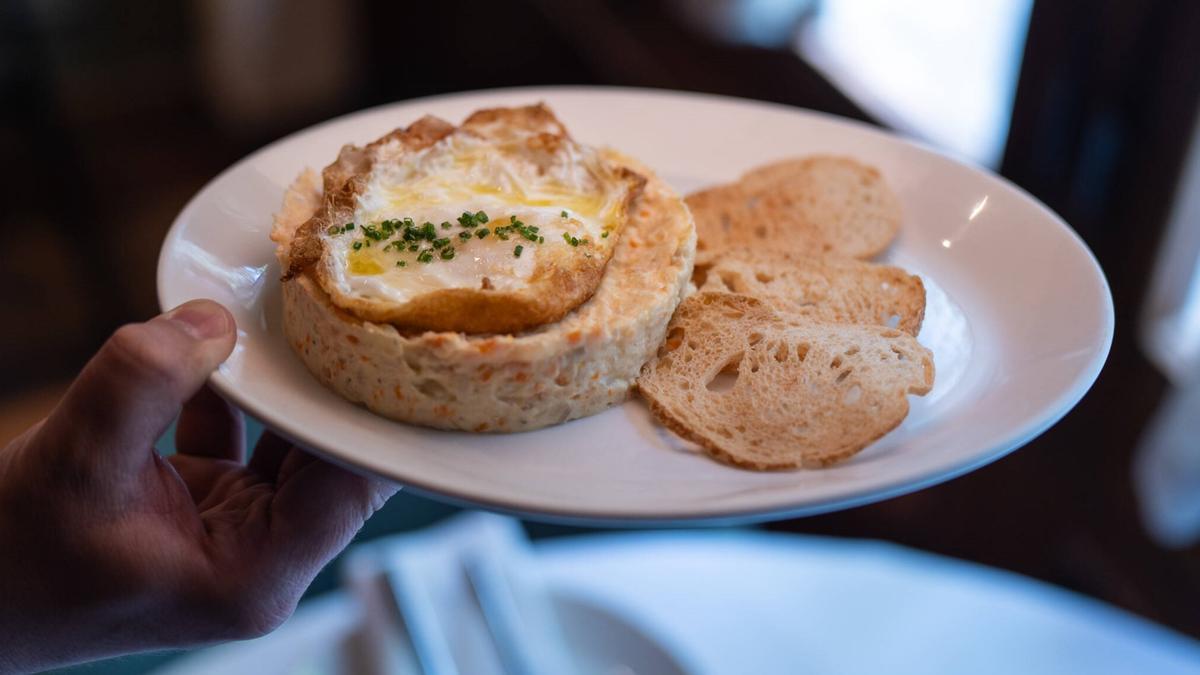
1019	319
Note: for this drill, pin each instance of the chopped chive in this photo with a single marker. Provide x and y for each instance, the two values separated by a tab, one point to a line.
333	229
564	214
410	235
604	235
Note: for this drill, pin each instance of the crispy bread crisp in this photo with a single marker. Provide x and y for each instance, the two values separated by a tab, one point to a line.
563	278
812	206
833	290
763	391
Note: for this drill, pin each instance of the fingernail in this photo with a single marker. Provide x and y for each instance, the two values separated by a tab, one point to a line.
203	319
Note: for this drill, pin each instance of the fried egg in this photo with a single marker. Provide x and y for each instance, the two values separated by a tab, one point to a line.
499	225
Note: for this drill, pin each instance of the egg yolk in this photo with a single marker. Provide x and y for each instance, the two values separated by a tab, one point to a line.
363	262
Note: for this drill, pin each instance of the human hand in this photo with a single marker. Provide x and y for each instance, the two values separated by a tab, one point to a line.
106	547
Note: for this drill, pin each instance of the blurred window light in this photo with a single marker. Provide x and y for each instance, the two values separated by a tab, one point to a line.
1166	467
940	70
1171	321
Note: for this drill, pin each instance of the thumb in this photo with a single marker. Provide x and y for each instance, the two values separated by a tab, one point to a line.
136	384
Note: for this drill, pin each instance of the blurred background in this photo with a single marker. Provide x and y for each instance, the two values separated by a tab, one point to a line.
112	115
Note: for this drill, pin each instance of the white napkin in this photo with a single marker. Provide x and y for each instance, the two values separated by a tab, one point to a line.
430	620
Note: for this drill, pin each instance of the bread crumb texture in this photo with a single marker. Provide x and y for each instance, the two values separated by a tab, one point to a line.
833	290
819	205
764	390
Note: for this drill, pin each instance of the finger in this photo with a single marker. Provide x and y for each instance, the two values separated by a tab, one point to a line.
134	387
269	454
209	426
319	507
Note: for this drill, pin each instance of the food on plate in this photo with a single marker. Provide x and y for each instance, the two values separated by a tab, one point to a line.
543	275
835	290
501	276
762	389
817	205
793	353
500	225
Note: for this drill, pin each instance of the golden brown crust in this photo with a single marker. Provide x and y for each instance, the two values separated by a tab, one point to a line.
353	160
562	279
344	180
537	118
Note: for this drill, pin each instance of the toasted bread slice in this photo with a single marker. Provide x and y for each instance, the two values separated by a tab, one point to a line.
817	205
763	391
387	244
832	290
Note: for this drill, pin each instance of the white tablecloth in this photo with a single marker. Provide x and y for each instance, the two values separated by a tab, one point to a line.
740	602
745	602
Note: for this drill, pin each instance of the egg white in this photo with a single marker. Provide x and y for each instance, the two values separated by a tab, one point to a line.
468	173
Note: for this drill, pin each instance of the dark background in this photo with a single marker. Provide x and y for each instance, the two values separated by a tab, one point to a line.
113	114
